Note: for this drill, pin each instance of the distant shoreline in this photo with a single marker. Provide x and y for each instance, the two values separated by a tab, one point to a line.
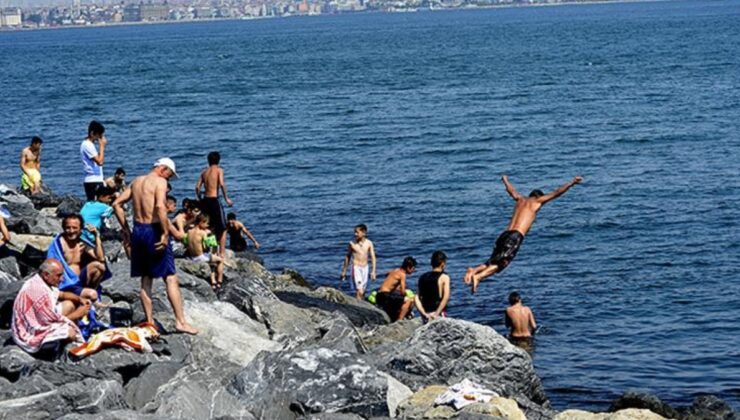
424	10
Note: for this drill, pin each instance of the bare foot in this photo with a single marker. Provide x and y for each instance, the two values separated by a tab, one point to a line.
469	275
474	287
186	328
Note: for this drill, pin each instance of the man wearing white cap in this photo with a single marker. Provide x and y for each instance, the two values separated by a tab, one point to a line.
151	249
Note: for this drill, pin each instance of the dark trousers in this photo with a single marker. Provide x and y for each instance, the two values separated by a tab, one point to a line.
90	188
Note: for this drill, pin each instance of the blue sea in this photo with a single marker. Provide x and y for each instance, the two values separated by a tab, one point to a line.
406	122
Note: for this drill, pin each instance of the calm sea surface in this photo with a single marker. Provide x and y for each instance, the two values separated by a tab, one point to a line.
406	122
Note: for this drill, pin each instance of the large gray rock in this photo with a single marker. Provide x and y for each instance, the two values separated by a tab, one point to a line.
87	396
10	267
446	351
329	300
708	407
115	415
7	296
632	399
289	384
68	205
142	388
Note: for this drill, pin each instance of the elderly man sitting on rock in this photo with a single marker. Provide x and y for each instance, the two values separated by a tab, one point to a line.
43	316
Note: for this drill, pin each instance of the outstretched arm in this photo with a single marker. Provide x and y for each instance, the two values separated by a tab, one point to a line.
560	191
510	188
250	236
532	322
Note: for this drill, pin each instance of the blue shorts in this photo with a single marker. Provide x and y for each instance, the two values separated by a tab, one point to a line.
146	261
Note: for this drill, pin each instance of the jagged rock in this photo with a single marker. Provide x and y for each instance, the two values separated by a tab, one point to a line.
141	389
628	414
708	407
294	277
447	351
198	390
249	256
360	313
86	396
335	416
115	415
68	205
7	297
14	362
339	334
644	401
226	328
10	267
390	334
421	406
22	240
288	384
114	251
45	198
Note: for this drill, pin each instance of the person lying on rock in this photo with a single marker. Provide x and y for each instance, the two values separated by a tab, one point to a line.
43	316
196	252
433	292
391	296
85	265
150	244
508	243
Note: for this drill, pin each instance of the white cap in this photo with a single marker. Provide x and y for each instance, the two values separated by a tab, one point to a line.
168	163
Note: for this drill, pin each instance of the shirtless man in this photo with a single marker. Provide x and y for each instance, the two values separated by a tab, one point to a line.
151	249
391	296
117	181
86	262
213	179
507	244
184	219
31	166
519	318
358	252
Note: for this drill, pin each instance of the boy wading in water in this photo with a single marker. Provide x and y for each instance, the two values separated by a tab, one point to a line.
520	321
196	252
358	250
213	180
508	243
150	244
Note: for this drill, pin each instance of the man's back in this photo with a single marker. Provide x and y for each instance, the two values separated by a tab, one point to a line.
520	320
211	178
393	281
143	193
525	211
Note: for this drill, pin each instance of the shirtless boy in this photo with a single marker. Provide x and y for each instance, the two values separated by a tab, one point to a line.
358	251
235	228
508	243
86	262
391	296
519	318
31	166
151	248
212	178
197	253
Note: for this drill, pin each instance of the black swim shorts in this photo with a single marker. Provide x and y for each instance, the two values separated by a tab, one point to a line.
507	245
390	302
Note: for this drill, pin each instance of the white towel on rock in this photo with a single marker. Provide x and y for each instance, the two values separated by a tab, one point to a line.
465	393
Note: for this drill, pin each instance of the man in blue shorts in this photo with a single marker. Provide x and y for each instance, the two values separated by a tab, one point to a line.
151	248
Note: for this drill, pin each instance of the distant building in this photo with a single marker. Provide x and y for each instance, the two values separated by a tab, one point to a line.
152	11
131	13
10	16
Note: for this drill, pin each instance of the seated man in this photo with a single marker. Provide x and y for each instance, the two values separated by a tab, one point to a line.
391	296
42	315
117	182
184	218
196	252
434	289
84	267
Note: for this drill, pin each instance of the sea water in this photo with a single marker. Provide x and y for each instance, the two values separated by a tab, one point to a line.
406	122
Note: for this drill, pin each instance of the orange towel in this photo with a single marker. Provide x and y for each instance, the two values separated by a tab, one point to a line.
131	338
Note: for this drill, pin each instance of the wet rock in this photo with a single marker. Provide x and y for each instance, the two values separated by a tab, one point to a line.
293	383
708	407
627	414
447	351
643	401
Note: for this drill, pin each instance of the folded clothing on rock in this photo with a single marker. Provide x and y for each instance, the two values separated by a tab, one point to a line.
465	393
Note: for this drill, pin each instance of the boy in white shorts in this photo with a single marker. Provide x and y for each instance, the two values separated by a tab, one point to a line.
358	250
197	253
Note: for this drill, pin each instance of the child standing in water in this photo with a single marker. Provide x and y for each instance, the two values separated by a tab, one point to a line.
359	250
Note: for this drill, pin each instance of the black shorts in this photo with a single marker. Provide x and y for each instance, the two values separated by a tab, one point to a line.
211	206
90	189
390	302
507	245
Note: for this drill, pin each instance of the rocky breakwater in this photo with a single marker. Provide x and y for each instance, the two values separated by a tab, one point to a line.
271	347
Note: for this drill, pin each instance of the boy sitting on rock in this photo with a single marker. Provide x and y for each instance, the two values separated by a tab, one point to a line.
197	237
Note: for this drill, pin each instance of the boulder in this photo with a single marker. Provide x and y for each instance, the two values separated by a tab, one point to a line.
708	407
339	334
115	415
446	351
7	297
141	389
87	396
293	383
329	300
632	399
627	414
390	334
421	406
68	205
45	198
9	266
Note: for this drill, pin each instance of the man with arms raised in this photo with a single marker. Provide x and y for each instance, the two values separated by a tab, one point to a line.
508	243
151	249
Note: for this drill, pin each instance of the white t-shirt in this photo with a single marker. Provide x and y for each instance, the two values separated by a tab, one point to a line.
93	171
